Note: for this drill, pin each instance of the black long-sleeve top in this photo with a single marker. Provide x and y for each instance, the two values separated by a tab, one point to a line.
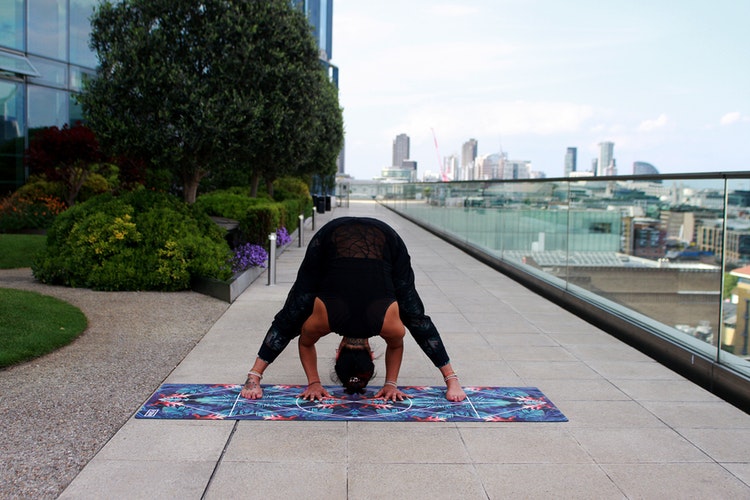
363	238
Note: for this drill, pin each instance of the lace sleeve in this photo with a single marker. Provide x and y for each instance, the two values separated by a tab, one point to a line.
287	323
411	308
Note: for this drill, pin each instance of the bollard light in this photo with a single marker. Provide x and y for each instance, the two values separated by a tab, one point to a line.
272	259
301	227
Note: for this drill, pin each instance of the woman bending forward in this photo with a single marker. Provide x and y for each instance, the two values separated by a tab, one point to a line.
356	280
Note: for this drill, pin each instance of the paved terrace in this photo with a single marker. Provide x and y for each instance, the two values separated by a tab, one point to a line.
636	429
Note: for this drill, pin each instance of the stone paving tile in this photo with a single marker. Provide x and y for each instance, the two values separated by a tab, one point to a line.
580	481
637	445
414	481
279	480
676	480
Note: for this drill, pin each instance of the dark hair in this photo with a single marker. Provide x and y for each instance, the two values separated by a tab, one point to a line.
354	369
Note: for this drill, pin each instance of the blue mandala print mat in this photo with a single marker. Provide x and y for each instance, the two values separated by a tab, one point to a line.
281	402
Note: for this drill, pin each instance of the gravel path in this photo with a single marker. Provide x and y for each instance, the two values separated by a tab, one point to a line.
56	412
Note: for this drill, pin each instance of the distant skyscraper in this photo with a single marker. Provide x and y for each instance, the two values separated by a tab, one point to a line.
606	158
492	166
400	149
468	156
320	15
450	167
570	161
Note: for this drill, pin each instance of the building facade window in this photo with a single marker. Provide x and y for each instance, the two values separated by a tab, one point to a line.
11	24
47	28
11	131
47	108
80	29
44	60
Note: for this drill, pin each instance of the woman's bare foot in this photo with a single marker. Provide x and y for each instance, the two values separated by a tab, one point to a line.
252	388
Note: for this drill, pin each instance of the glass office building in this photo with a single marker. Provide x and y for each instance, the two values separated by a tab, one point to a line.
44	56
320	15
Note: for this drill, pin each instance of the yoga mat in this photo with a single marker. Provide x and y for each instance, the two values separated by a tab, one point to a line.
281	402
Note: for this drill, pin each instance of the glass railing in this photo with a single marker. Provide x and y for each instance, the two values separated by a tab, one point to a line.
669	253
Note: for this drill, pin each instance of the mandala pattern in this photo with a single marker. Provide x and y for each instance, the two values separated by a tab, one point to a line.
281	402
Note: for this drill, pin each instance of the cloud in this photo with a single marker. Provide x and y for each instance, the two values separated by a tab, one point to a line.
733	117
453	10
651	125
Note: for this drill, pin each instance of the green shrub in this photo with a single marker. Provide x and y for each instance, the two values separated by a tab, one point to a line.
227	204
39	187
259	217
19	212
287	188
260	221
142	240
295	195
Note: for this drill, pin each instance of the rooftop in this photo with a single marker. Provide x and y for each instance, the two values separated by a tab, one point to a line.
635	429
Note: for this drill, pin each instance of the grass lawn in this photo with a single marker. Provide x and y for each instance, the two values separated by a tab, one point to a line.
18	250
34	324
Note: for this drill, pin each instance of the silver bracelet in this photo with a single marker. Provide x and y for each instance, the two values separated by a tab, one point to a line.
391	382
450	377
257	374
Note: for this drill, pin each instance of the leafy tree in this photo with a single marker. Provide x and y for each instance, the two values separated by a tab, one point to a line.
329	135
204	87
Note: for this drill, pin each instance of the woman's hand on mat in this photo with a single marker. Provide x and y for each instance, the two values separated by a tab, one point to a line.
390	393
315	391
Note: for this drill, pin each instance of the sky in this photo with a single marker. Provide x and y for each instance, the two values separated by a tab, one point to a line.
668	81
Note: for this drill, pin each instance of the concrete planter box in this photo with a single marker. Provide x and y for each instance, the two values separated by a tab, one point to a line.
229	290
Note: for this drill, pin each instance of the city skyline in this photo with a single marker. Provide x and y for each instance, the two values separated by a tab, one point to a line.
666	82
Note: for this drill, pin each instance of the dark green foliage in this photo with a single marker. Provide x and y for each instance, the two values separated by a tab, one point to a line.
222	88
142	240
228	204
260	221
259	217
287	188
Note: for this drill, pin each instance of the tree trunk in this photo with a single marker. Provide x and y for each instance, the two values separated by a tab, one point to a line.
254	181
190	184
76	178
269	187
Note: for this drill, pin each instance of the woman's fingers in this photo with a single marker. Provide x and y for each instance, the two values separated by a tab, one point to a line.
315	394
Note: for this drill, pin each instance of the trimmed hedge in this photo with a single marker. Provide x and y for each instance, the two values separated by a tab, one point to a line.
259	217
142	240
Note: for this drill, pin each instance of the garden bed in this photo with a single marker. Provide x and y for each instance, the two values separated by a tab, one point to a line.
229	290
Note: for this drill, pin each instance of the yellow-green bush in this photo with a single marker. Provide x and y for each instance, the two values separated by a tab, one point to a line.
139	241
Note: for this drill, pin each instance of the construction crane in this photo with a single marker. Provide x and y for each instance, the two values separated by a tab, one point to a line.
441	167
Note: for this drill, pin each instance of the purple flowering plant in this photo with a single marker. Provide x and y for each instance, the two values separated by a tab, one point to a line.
282	237
247	256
